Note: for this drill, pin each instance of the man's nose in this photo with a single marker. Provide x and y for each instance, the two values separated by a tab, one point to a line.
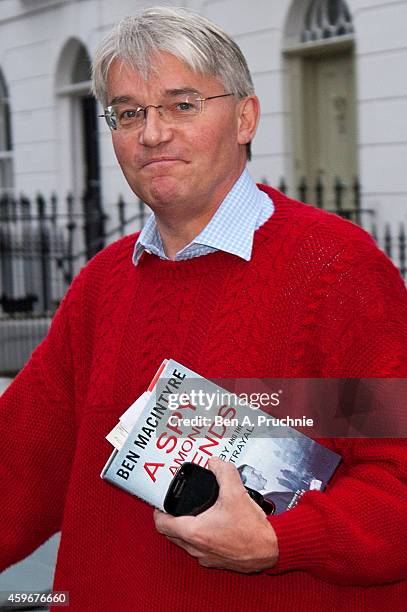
154	130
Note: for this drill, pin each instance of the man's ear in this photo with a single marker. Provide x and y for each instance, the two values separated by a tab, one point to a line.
248	119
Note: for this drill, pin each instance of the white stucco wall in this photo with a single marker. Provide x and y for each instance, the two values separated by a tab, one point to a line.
33	33
382	105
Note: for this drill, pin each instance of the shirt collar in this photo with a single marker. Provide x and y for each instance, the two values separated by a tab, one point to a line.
231	229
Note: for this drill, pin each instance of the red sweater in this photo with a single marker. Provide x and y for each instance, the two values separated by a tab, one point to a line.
317	299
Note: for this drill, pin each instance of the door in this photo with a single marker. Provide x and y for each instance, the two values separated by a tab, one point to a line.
93	212
330	138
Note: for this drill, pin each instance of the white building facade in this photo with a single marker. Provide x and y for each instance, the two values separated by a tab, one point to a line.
330	76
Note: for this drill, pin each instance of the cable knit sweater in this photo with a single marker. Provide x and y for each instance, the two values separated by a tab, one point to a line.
317	299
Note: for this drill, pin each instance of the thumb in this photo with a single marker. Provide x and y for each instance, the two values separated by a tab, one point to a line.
227	476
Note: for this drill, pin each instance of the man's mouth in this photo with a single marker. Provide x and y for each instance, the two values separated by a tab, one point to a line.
160	161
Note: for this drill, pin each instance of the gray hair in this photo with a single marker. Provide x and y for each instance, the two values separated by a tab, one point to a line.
202	45
193	39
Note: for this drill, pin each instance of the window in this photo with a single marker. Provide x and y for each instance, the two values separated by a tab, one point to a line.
327	19
81	67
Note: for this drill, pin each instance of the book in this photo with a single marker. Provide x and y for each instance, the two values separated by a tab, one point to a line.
183	417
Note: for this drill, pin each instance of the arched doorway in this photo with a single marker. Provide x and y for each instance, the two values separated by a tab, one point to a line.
6	146
319	51
8	287
80	143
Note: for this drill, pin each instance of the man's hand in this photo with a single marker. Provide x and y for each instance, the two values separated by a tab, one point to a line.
233	534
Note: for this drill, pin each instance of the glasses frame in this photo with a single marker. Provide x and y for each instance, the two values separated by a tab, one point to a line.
109	114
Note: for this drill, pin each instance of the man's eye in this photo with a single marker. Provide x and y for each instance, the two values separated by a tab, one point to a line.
185	106
128	114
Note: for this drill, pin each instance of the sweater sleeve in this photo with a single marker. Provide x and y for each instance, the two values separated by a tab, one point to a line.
355	532
37	428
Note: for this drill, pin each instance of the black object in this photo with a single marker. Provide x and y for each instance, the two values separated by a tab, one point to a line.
267	506
194	489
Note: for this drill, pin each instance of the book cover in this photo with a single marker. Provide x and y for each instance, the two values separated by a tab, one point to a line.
185	417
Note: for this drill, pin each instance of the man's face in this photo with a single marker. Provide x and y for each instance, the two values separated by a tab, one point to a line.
181	169
253	478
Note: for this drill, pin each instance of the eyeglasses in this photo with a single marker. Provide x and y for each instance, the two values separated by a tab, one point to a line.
173	109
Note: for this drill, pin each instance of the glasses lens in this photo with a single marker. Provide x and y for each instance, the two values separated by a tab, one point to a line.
182	108
175	109
110	118
123	116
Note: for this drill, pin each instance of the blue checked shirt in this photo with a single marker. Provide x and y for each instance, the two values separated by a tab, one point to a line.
231	229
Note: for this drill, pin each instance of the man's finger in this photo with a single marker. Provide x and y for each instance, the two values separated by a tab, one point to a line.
227	476
191	550
173	526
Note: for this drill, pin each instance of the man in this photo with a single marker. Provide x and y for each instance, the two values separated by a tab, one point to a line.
254	479
282	499
232	281
251	477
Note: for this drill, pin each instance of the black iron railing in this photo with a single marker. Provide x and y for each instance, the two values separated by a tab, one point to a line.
345	201
45	242
339	198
